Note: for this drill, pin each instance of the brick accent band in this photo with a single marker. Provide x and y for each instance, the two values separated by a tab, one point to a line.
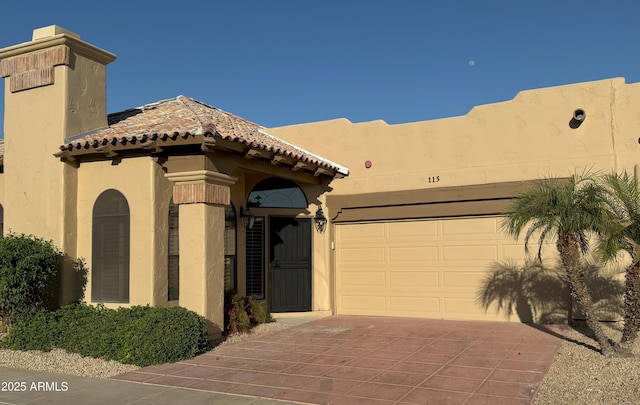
57	55
201	193
34	69
31	79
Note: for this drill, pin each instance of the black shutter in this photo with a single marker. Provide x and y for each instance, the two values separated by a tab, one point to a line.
255	259
174	253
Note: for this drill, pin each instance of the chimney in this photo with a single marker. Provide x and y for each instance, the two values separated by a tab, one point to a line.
55	88
58	77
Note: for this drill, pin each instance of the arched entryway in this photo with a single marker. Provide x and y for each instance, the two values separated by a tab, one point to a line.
278	246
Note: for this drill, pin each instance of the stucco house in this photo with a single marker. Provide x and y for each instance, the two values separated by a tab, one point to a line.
173	202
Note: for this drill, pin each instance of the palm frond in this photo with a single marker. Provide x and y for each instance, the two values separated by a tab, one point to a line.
583	241
622	196
552	206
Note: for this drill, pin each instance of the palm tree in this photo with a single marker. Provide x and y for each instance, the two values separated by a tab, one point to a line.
623	198
570	211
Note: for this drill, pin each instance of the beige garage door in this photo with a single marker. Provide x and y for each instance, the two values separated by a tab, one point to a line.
419	268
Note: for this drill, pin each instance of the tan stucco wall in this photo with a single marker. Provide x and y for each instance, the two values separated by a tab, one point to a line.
321	280
86	104
135	179
2	193
36	123
238	200
34	179
524	138
161	190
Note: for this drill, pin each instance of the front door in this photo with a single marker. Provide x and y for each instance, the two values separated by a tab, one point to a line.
290	270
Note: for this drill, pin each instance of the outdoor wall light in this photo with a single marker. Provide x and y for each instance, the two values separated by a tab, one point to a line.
247	217
320	220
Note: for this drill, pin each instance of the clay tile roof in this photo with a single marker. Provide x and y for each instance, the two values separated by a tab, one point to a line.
184	117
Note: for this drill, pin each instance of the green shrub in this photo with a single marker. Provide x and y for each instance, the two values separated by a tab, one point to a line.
36	330
28	268
87	330
140	335
154	335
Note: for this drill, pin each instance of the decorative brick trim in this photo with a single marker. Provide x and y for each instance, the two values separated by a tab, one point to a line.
201	193
201	186
57	55
31	79
34	69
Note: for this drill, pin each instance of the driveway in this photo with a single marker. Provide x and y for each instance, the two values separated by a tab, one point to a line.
373	360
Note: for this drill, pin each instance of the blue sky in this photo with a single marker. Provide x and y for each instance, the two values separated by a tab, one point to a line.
284	62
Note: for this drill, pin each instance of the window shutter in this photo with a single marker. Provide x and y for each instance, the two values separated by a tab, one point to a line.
110	250
174	253
255	259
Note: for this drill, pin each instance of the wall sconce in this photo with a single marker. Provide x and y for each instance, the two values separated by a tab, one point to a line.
320	220
247	217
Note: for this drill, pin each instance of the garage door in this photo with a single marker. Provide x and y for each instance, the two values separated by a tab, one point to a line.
420	268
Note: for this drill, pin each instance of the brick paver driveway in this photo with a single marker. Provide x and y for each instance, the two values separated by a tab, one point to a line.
374	360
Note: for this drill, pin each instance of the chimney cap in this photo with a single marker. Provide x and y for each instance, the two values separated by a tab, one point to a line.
53	35
50	31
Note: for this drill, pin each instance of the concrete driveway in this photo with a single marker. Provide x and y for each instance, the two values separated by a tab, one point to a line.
373	360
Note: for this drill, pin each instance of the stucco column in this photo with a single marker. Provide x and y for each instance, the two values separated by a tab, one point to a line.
202	262
202	196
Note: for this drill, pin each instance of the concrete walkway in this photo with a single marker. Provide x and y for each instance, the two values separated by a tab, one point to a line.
58	389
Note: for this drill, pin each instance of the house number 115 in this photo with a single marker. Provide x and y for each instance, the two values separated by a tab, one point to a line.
434	179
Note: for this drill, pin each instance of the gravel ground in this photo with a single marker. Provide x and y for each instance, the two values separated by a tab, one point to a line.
59	361
579	374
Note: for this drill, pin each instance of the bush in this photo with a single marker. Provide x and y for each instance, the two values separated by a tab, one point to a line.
140	335
28	268
87	330
239	321
243	313
154	335
36	330
257	312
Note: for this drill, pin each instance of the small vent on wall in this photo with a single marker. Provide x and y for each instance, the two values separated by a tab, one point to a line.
578	118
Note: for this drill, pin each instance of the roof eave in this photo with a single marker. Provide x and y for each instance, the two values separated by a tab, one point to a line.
163	144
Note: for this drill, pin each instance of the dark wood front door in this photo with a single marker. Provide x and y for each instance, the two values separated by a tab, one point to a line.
290	270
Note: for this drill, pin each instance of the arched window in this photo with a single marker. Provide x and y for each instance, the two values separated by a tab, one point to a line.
110	248
277	193
230	224
173	268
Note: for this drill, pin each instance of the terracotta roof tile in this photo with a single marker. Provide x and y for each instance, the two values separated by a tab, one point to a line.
184	117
